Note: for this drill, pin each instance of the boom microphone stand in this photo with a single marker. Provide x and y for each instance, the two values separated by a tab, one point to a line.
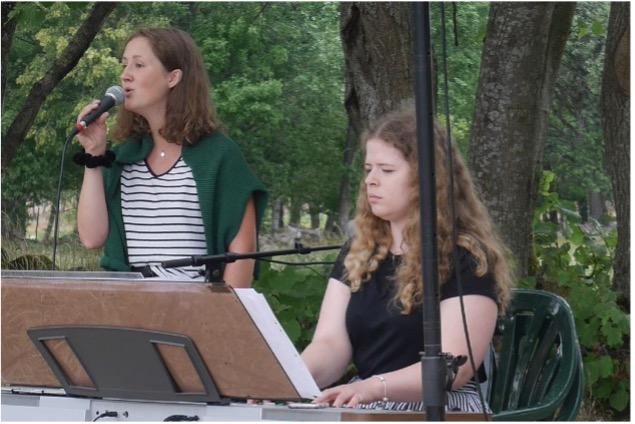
214	263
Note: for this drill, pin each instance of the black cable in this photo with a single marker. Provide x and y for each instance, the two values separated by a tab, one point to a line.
304	264
111	414
58	200
182	418
275	261
455	254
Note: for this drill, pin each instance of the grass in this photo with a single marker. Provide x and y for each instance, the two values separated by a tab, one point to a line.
70	254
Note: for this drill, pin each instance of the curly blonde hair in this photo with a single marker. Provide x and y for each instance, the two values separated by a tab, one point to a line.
475	230
190	113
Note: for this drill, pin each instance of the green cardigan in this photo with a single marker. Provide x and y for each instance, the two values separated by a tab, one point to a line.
224	183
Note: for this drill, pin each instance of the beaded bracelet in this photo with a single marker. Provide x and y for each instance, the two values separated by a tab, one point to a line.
89	161
381	378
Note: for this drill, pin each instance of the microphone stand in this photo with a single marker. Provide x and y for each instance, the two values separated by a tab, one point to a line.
214	263
437	369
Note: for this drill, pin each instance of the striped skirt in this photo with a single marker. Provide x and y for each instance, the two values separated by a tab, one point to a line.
466	399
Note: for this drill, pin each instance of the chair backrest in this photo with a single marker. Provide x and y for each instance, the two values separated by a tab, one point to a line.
537	373
573	401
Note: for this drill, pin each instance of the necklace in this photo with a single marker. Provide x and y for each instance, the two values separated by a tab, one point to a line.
162	154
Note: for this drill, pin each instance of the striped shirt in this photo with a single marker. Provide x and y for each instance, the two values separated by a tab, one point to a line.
161	215
465	399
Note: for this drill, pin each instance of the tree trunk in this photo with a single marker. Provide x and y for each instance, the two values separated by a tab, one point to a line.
81	40
295	213
521	55
50	223
378	44
616	105
14	218
37	221
277	215
379	54
315	219
330	224
344	209
597	207
8	30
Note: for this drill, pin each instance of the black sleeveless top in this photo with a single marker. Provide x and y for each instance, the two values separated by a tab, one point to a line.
382	338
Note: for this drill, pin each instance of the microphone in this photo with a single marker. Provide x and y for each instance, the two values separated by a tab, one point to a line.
115	96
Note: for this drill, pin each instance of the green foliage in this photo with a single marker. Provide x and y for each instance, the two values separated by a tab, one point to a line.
32	177
575	142
276	69
21	187
465	27
576	263
295	295
278	75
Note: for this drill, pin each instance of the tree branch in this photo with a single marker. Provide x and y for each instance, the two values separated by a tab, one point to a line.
8	30
80	42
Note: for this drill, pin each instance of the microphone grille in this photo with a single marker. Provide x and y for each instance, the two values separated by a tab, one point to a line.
117	93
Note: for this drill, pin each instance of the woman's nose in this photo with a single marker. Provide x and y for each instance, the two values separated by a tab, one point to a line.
370	178
125	75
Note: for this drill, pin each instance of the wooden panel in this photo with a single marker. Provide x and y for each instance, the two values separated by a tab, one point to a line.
235	353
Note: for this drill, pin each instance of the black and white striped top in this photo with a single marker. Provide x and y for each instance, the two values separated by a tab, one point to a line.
161	215
465	399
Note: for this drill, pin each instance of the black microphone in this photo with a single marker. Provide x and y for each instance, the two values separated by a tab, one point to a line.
115	96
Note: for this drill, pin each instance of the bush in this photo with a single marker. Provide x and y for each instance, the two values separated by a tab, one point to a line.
295	295
577	265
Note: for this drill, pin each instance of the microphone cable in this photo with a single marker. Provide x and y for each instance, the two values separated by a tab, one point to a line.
307	265
114	96
58	200
455	255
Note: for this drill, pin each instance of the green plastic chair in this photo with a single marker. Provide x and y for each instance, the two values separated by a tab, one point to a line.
573	401
537	372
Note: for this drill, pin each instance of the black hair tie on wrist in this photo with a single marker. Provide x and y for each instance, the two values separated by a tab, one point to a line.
89	161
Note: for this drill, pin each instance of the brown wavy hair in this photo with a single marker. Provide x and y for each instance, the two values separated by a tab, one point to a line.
475	230
190	112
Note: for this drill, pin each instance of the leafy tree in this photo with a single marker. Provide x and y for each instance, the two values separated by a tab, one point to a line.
465	26
577	264
64	61
277	76
42	54
574	145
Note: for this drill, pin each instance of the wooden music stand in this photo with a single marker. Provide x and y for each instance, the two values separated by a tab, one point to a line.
100	336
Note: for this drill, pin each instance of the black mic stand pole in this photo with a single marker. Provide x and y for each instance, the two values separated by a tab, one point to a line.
433	365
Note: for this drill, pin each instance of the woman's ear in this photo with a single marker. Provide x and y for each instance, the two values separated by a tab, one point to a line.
175	77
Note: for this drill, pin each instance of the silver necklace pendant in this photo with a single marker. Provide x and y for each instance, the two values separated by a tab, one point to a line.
162	154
